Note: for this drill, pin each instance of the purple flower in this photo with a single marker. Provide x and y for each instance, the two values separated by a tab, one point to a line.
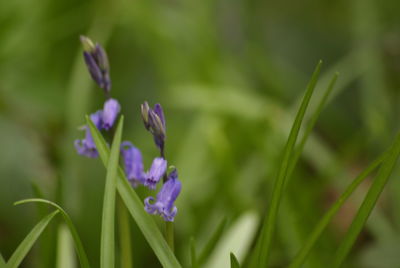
133	163
164	204
87	146
155	173
154	122
134	167
110	113
97	63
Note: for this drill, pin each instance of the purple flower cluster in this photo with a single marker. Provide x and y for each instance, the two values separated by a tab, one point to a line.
163	205
97	63
102	119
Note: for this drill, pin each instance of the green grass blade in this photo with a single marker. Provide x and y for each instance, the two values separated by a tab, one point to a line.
78	244
23	248
264	242
136	208
238	238
2	261
65	255
193	255
310	126
368	204
208	248
326	219
107	245
234	261
124	235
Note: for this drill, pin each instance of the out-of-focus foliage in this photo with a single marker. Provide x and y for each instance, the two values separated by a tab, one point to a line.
230	75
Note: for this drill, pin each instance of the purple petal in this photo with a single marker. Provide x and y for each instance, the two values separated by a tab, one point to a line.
157	170
97	118
169	192
83	149
86	146
101	57
164	204
110	113
159	111
133	163
93	68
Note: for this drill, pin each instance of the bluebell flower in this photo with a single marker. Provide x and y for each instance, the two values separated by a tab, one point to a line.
133	163
155	173
87	146
134	171
97	63
164	203
110	112
154	122
102	119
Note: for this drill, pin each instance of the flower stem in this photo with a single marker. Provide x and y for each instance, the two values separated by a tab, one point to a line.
169	226
124	235
169	234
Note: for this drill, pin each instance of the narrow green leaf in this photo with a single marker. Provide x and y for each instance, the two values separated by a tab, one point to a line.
23	248
264	242
310	127
368	204
47	250
65	256
135	206
107	246
234	261
209	247
193	255
237	238
2	261
124	235
78	244
326	219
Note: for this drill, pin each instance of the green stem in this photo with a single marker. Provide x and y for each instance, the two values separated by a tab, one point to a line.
169	234
124	235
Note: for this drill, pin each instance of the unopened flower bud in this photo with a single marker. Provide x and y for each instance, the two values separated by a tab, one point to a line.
97	63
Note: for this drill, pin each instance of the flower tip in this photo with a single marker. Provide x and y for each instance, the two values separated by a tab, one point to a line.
87	44
145	114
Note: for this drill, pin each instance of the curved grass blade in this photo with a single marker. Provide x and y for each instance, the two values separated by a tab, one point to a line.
310	127
301	256
47	250
264	242
193	255
208	248
78	244
135	206
107	245
234	261
368	204
23	248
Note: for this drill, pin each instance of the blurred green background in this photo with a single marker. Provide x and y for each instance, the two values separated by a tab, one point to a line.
229	74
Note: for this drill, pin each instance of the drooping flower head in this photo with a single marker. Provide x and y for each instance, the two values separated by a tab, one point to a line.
110	112
164	203
102	119
97	63
133	163
155	173
154	122
87	146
